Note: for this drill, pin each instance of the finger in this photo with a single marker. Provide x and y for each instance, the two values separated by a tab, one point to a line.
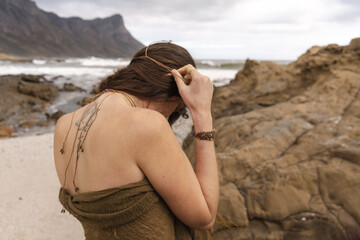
190	73
187	79
178	78
187	69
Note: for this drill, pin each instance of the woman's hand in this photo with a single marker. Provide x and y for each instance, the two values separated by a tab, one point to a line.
191	194
197	94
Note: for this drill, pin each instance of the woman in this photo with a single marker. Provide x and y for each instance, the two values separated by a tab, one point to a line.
122	170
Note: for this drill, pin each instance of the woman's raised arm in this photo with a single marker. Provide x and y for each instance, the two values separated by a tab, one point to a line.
191	195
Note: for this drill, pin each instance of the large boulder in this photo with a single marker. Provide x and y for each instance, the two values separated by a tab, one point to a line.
24	110
70	87
38	89
287	143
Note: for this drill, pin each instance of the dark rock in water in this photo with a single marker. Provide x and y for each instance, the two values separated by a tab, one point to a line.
32	78
43	123
41	90
56	115
26	30
85	101
56	77
70	87
18	109
29	123
95	90
287	142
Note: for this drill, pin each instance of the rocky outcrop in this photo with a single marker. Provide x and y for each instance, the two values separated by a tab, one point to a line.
23	100
287	143
56	115
70	87
31	85
26	30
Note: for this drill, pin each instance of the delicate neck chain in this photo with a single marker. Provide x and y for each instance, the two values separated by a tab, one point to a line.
85	128
130	100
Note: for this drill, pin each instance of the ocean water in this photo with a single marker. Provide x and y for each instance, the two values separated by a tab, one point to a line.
84	69
87	73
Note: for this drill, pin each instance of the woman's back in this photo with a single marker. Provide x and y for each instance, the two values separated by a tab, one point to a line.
108	144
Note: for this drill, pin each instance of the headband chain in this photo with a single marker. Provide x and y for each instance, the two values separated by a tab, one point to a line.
155	61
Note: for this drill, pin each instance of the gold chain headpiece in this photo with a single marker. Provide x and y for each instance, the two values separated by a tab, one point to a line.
154	60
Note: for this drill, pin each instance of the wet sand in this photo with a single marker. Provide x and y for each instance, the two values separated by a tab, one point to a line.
29	206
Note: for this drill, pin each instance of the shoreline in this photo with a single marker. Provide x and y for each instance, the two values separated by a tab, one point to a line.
30	208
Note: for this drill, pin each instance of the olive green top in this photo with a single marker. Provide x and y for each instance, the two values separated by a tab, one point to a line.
132	211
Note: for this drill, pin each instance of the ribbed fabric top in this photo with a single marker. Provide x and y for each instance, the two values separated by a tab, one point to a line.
132	211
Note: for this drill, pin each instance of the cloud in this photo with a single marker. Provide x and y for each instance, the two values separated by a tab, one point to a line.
354	3
347	11
200	10
260	29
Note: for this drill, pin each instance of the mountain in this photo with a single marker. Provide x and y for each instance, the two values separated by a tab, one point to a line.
26	30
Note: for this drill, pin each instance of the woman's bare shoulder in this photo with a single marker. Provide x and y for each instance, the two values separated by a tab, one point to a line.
149	116
61	123
137	125
147	122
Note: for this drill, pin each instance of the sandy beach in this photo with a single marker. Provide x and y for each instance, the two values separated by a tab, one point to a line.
285	107
29	206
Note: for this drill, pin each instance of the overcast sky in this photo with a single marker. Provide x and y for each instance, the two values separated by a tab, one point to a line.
228	29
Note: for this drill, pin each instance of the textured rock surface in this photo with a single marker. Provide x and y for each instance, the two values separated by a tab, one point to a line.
40	90
70	87
288	140
23	100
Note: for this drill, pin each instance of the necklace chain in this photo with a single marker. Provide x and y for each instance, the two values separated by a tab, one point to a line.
86	128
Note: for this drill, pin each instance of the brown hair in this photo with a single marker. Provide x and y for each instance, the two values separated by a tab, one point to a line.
148	80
